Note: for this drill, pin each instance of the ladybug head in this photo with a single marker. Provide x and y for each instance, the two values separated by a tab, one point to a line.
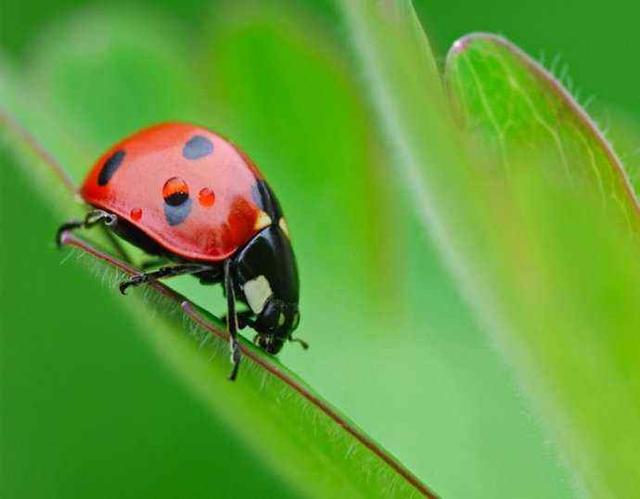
267	278
275	324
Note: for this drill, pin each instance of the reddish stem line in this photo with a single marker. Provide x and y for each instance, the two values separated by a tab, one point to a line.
190	310
35	147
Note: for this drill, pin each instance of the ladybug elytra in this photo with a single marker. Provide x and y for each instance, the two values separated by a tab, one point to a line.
186	194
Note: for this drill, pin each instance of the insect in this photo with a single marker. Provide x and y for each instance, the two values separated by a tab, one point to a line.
184	193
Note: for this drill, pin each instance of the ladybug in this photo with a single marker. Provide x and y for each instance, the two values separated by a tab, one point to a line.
184	193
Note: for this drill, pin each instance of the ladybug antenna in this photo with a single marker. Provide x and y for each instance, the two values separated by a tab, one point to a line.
302	343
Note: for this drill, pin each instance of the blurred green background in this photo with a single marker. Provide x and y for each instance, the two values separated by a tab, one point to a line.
88	409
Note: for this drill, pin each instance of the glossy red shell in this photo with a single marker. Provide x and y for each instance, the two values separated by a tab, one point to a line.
223	212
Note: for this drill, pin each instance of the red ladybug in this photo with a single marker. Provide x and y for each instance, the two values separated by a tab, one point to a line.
186	194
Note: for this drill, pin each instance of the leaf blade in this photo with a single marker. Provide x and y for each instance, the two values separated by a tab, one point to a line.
306	470
588	331
514	103
503	240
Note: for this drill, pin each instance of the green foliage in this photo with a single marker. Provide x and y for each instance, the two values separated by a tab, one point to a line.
524	219
546	267
577	283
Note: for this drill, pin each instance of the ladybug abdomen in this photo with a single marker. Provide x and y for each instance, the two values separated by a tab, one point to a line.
187	188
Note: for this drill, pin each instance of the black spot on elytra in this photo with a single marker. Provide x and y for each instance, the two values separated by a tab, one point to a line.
177	204
197	147
265	199
175	215
110	166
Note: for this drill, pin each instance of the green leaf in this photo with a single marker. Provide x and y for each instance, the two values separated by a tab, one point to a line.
401	79
529	119
331	453
545	268
583	267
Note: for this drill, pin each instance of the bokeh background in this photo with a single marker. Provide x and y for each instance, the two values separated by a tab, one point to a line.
87	407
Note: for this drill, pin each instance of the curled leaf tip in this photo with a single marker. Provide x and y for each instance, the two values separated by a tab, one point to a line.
462	43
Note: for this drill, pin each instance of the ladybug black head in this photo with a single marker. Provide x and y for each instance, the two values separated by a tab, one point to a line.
275	324
266	276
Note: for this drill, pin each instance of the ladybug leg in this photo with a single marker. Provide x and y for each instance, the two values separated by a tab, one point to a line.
115	242
93	217
163	273
245	318
149	264
232	321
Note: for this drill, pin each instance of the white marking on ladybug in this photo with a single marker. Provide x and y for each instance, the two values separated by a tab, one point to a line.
257	292
283	225
262	221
